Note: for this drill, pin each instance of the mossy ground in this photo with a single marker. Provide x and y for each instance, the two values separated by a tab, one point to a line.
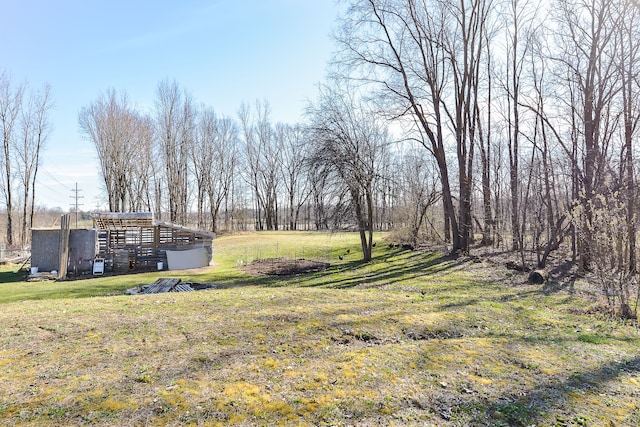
409	339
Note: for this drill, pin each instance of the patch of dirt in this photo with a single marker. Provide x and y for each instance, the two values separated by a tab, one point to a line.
284	266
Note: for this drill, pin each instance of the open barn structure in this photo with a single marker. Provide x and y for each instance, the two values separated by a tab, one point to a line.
135	241
119	243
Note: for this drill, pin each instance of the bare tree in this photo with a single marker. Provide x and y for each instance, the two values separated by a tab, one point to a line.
385	191
175	118
350	140
588	44
122	138
10	105
319	177
629	69
215	156
202	158
263	160
485	142
419	184
398	45
293	143
141	172
34	130
554	222
225	168
465	52
519	33
426	56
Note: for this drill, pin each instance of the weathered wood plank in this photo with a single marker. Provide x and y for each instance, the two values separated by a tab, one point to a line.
182	288
162	285
168	281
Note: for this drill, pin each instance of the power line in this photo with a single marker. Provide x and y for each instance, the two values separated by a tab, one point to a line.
53	177
76	196
42	184
55	180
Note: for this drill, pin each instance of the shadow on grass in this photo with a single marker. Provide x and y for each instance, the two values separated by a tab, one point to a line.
52	290
386	269
459	304
390	267
529	407
551	287
11	277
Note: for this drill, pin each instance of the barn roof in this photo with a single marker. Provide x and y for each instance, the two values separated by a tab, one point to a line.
122	220
136	220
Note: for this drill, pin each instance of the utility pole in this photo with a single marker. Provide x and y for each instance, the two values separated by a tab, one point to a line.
76	196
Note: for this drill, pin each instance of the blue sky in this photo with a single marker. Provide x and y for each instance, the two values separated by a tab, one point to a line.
224	52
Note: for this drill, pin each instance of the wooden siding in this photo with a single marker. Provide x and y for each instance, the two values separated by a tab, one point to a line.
135	242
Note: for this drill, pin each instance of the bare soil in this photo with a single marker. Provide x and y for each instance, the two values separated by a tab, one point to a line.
284	266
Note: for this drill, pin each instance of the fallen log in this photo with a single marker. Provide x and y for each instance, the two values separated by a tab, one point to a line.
538	277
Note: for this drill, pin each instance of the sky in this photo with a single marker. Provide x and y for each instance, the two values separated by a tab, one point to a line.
223	52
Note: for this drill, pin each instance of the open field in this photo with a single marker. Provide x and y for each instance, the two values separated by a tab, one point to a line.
409	339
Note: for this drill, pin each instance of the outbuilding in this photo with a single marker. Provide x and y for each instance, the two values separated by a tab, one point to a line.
121	243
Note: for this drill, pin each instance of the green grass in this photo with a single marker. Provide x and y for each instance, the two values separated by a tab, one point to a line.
408	339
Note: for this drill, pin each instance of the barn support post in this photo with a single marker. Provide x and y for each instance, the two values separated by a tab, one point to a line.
65	229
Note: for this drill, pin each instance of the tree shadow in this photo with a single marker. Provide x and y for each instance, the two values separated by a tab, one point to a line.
555	286
527	408
386	272
459	304
12	277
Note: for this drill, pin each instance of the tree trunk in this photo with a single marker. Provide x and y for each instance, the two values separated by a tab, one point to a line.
363	228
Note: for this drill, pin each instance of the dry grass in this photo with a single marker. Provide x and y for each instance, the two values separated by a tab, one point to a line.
410	339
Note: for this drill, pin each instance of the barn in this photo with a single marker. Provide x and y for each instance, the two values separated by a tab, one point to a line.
122	243
135	241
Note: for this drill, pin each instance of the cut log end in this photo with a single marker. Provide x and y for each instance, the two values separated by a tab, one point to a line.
538	277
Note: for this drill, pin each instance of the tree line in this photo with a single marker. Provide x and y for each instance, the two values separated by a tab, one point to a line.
514	126
184	161
515	102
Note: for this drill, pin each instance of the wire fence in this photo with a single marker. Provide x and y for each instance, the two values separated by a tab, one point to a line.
13	255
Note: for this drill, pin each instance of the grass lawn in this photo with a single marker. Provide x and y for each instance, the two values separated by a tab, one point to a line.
409	339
